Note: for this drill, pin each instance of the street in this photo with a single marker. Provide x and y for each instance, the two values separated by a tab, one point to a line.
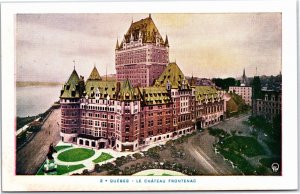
33	154
201	147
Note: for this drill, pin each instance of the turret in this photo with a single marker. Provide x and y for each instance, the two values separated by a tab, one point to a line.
117	45
167	41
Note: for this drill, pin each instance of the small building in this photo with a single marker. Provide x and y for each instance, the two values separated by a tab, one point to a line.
244	91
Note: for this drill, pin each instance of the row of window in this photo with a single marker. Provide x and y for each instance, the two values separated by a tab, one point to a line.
99	108
97	115
69	113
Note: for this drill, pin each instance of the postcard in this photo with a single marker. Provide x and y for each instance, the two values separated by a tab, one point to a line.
148	96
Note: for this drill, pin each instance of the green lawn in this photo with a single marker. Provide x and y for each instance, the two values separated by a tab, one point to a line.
267	162
76	154
244	145
63	169
239	161
58	148
165	174
104	156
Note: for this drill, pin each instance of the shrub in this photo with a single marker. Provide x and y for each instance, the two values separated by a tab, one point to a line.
137	155
85	172
97	168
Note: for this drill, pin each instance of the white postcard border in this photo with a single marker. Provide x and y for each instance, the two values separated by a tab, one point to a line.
289	178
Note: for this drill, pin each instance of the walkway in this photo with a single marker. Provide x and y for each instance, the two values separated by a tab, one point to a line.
32	155
158	172
88	163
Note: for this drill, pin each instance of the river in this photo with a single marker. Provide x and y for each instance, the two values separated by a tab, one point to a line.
33	100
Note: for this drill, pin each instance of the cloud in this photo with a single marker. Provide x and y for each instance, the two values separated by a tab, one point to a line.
209	45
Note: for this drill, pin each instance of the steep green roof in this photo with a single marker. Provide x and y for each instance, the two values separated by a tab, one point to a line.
94	75
155	95
104	88
71	88
202	91
174	75
144	27
127	92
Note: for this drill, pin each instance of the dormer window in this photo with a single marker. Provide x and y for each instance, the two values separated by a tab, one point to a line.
266	97
273	98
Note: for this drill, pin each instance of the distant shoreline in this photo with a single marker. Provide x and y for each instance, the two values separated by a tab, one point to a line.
34	83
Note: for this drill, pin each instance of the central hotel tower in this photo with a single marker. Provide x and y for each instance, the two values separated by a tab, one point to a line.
142	55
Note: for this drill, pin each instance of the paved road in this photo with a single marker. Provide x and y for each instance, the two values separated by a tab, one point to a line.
235	123
202	150
32	155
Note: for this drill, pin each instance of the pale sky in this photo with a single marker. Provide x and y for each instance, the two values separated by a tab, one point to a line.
205	45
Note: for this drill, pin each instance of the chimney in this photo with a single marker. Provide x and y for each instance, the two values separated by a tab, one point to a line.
118	87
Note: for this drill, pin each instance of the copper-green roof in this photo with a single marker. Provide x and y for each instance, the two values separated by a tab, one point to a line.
147	29
202	91
94	75
155	95
71	88
128	92
104	88
174	76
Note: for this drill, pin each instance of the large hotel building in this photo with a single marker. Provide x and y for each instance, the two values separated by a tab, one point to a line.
150	101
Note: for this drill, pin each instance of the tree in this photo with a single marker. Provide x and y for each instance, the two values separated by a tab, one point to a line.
137	155
256	87
225	83
85	172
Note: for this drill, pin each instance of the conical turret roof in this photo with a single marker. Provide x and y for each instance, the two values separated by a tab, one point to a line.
74	78
71	87
167	41
94	75
117	45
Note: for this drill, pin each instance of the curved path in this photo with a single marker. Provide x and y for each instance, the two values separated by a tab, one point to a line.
201	148
88	163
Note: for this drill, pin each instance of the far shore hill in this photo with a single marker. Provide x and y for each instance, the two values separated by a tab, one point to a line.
36	83
39	83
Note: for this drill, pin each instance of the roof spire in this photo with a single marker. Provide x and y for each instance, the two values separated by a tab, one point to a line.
106	74
167	41
117	45
149	15
74	63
